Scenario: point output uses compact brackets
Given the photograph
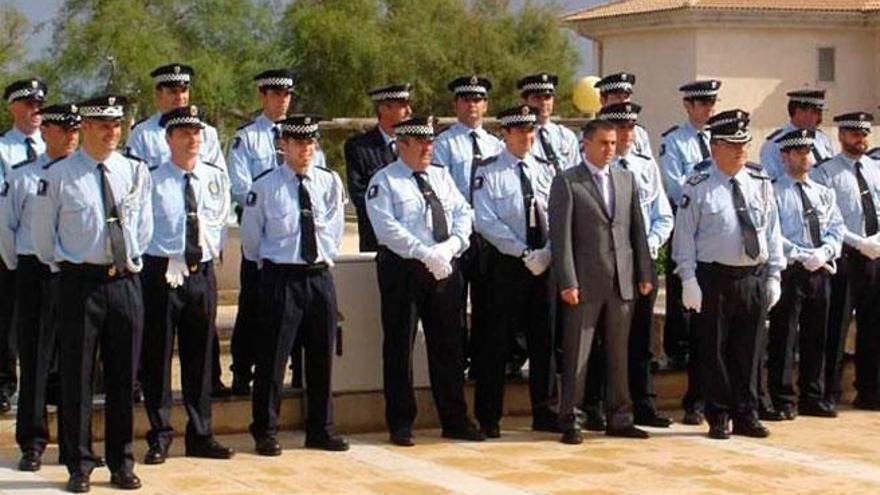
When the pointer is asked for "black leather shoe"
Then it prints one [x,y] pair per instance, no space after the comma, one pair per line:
[595,421]
[333,443]
[866,404]
[5,405]
[627,432]
[719,431]
[219,390]
[572,436]
[268,446]
[750,428]
[209,449]
[788,411]
[547,421]
[693,418]
[79,483]
[818,409]
[652,418]
[467,432]
[770,415]
[491,430]
[100,461]
[241,385]
[125,480]
[156,454]
[31,460]
[137,394]
[402,438]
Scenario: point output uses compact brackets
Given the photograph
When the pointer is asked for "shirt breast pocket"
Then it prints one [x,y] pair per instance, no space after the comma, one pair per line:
[508,205]
[408,209]
[712,219]
[281,222]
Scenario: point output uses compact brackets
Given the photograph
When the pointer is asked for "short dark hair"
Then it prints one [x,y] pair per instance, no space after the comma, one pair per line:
[794,105]
[594,125]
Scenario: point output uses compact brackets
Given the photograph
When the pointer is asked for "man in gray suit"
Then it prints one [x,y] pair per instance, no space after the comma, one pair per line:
[600,255]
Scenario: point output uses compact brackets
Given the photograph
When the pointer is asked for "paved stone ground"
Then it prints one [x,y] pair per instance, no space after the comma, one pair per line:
[808,455]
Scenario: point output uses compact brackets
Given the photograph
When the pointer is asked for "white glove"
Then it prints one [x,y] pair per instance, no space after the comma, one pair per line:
[774,292]
[869,247]
[538,261]
[448,248]
[654,251]
[176,272]
[437,265]
[691,295]
[815,260]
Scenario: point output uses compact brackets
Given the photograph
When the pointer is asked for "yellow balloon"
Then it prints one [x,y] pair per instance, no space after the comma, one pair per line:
[585,96]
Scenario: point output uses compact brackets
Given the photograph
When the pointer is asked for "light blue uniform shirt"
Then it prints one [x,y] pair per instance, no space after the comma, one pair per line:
[401,217]
[656,212]
[707,229]
[252,153]
[563,141]
[499,208]
[642,143]
[453,149]
[839,174]
[771,157]
[17,208]
[68,220]
[679,152]
[147,142]
[796,240]
[211,187]
[13,149]
[270,224]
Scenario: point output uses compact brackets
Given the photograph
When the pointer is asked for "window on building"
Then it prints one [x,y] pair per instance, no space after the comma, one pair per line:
[826,64]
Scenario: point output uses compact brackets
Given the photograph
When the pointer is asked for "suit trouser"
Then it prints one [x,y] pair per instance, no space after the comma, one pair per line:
[475,264]
[185,312]
[8,377]
[103,312]
[798,321]
[366,236]
[856,285]
[36,324]
[295,300]
[410,293]
[518,299]
[579,325]
[733,312]
[247,321]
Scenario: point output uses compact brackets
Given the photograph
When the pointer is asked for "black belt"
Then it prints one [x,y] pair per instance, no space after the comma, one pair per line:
[89,270]
[295,269]
[30,259]
[733,271]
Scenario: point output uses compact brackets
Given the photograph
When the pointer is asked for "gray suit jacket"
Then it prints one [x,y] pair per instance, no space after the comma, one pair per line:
[589,247]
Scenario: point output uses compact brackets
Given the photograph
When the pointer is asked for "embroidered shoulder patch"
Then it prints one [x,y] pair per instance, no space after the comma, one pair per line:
[251,199]
[372,192]
[42,187]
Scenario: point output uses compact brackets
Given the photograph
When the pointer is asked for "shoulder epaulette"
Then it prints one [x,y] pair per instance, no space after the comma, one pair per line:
[325,169]
[139,122]
[703,165]
[541,159]
[820,162]
[640,155]
[496,136]
[697,178]
[774,134]
[670,130]
[263,173]
[22,164]
[754,166]
[153,168]
[242,126]
[438,165]
[129,154]
[441,131]
[218,167]
[53,162]
[490,160]
[873,151]
[640,125]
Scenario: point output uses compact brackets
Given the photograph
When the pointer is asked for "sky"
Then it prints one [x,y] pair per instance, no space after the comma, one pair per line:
[41,13]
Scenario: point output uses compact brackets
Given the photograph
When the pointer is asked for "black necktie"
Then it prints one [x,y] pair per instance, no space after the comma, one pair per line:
[475,162]
[192,251]
[811,215]
[750,235]
[534,232]
[544,137]
[868,208]
[31,150]
[114,224]
[438,217]
[704,148]
[624,163]
[276,142]
[308,243]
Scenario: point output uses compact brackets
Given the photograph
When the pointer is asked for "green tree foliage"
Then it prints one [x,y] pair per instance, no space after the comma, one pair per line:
[13,29]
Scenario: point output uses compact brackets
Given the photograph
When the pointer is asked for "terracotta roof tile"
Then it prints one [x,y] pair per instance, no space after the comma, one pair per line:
[631,7]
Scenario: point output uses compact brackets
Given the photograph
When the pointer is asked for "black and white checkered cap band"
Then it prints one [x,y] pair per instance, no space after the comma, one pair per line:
[512,120]
[112,112]
[188,120]
[275,81]
[855,124]
[796,142]
[390,95]
[414,130]
[619,116]
[60,117]
[299,129]
[619,85]
[699,93]
[818,102]
[25,93]
[470,89]
[719,123]
[539,86]
[164,78]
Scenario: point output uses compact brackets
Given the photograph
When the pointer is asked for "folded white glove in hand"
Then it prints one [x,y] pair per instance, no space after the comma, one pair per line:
[176,272]
[437,265]
[815,260]
[538,261]
[654,251]
[448,248]
[691,295]
[774,292]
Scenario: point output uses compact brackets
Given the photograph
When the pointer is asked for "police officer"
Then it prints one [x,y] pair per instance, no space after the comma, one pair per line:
[461,148]
[618,88]
[729,254]
[293,222]
[255,150]
[35,322]
[658,220]
[812,231]
[423,225]
[511,191]
[805,108]
[190,207]
[93,221]
[684,146]
[855,179]
[368,152]
[22,142]
[555,143]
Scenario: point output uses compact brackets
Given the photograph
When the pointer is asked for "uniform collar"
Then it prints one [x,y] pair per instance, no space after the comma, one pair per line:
[197,171]
[596,170]
[463,129]
[289,173]
[92,164]
[693,130]
[265,121]
[513,160]
[19,137]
